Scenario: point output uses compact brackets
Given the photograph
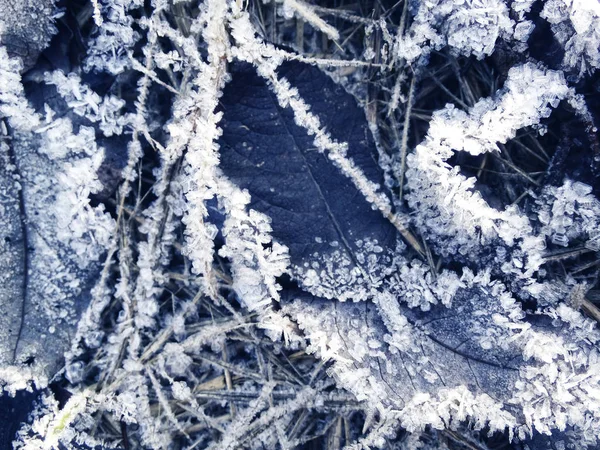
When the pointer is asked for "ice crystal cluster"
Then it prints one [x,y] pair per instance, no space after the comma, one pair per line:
[291,224]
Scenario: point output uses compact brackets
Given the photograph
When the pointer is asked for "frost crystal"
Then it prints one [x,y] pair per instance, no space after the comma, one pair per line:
[468,28]
[576,25]
[446,204]
[213,241]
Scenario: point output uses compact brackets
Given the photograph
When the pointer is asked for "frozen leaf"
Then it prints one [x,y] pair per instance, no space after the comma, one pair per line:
[54,238]
[13,262]
[482,360]
[26,27]
[335,237]
[411,351]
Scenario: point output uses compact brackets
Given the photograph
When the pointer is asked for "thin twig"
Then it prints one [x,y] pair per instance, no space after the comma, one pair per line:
[404,142]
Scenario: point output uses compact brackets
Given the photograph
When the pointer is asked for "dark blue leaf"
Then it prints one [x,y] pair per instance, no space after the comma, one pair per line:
[315,209]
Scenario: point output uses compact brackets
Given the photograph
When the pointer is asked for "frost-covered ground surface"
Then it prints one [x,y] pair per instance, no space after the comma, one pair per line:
[287,224]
